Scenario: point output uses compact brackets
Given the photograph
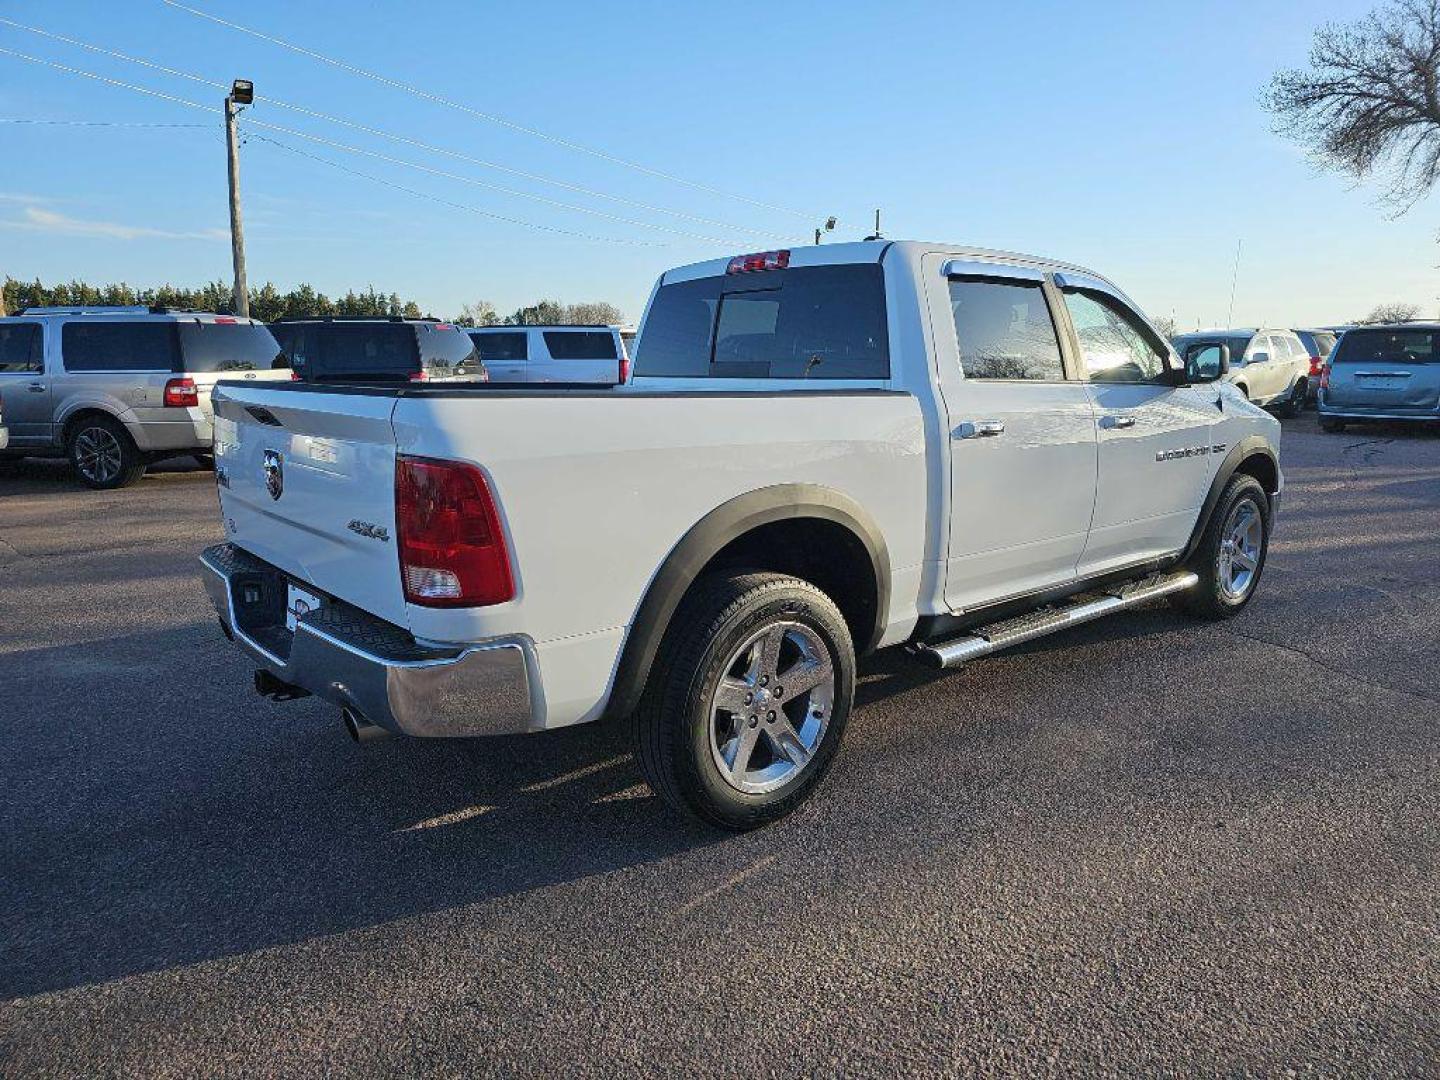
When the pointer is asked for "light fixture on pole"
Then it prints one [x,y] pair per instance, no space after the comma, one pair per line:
[242,92]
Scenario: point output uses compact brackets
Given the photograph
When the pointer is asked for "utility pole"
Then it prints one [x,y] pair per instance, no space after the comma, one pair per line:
[241,93]
[1234,278]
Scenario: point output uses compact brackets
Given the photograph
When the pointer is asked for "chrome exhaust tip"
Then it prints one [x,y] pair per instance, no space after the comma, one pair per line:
[360,729]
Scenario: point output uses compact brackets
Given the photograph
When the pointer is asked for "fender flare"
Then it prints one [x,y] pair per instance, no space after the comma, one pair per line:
[1248,447]
[706,538]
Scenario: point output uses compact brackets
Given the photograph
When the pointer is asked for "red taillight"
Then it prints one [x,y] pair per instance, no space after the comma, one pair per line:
[452,549]
[294,375]
[624,367]
[420,376]
[181,393]
[1315,365]
[761,260]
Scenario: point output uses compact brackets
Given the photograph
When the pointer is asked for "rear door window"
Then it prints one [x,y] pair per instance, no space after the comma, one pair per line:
[222,347]
[1004,330]
[119,346]
[1388,347]
[814,322]
[20,349]
[580,345]
[504,345]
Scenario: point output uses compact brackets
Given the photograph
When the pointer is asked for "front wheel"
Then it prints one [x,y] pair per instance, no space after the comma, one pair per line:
[103,455]
[750,693]
[1231,554]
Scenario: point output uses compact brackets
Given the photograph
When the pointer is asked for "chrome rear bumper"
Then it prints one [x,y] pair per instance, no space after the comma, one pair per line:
[354,660]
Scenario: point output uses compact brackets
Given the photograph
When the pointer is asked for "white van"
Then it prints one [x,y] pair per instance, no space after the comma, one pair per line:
[553,354]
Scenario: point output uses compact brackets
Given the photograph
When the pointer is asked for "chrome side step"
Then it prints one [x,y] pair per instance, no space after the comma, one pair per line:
[985,640]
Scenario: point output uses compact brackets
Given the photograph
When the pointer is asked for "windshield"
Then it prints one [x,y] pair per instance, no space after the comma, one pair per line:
[1389,347]
[322,351]
[1324,342]
[815,322]
[229,347]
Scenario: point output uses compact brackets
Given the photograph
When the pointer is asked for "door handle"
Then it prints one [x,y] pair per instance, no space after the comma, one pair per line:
[1114,422]
[980,429]
[36,388]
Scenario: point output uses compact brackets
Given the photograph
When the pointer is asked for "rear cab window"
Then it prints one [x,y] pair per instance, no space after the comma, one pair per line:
[1419,346]
[21,349]
[1004,330]
[809,322]
[98,346]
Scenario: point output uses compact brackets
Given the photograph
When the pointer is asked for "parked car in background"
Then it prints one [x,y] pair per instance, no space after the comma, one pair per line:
[821,452]
[548,354]
[1270,367]
[378,350]
[118,388]
[1389,372]
[1318,343]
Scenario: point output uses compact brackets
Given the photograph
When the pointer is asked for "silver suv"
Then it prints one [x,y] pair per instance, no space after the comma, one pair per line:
[1271,367]
[118,388]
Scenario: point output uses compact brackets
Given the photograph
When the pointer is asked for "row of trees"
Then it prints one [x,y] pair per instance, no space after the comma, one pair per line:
[268,303]
[544,313]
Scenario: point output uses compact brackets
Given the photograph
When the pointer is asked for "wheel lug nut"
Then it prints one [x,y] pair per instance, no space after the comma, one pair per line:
[771,718]
[749,698]
[779,690]
[764,680]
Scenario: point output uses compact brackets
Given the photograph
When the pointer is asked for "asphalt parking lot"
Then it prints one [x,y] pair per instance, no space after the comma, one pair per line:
[1147,844]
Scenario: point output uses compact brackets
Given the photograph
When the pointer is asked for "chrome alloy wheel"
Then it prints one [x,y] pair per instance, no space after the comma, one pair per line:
[769,712]
[1239,559]
[98,455]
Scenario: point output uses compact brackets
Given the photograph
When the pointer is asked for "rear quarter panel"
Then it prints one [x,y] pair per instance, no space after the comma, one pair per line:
[596,489]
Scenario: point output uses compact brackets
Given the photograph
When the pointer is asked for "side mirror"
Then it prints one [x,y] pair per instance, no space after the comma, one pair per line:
[1207,363]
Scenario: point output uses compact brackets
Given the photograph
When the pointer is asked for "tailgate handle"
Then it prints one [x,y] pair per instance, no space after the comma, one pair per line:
[264,415]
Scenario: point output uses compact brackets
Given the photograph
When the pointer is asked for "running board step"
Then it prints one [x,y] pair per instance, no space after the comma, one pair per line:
[985,640]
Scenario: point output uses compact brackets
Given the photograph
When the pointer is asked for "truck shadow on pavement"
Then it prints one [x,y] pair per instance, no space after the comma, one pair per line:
[152,822]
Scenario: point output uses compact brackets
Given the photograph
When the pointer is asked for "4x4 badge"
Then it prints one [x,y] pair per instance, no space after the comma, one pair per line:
[274,466]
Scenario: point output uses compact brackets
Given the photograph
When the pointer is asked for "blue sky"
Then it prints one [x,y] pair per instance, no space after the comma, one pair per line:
[1127,138]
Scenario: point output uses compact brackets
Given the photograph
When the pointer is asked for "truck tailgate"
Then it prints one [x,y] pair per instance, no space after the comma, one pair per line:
[307,483]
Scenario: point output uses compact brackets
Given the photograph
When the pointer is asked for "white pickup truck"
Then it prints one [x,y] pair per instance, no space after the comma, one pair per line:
[821,452]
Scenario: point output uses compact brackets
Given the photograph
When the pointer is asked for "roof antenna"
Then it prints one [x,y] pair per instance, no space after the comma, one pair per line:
[877,235]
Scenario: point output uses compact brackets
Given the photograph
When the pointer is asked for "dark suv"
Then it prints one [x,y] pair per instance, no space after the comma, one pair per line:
[378,350]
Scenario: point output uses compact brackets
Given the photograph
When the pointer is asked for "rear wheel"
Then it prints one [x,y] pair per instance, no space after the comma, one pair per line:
[1231,554]
[103,455]
[744,709]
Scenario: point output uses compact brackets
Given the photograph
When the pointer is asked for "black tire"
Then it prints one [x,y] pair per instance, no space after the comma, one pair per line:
[1210,599]
[1334,427]
[675,726]
[102,453]
[1294,404]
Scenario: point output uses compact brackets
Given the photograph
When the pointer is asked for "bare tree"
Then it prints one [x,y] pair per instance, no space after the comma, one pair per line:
[1369,101]
[480,313]
[1165,324]
[1390,313]
[594,313]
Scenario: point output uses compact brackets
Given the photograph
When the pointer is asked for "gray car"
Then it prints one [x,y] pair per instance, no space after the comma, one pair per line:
[1389,372]
[116,389]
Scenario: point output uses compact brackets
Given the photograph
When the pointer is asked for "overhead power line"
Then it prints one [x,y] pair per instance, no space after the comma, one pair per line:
[99,123]
[196,105]
[479,114]
[407,140]
[429,197]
